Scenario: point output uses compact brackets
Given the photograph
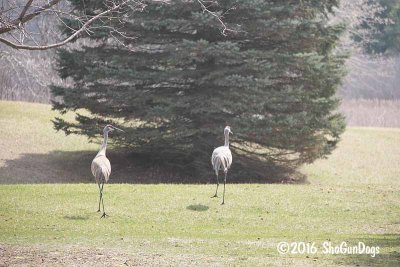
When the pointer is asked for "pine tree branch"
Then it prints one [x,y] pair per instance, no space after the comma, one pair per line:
[225,28]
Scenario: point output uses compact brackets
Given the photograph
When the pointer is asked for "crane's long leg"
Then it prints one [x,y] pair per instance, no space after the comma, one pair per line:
[223,196]
[100,196]
[216,191]
[102,201]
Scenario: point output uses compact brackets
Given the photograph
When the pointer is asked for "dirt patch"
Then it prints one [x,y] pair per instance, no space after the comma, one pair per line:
[73,256]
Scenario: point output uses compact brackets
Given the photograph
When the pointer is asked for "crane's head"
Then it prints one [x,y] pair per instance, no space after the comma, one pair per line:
[227,130]
[110,128]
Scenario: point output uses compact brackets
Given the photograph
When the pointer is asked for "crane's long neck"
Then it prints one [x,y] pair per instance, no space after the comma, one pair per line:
[226,139]
[103,145]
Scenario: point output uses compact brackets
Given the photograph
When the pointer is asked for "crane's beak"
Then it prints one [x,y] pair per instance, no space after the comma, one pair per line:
[231,132]
[118,129]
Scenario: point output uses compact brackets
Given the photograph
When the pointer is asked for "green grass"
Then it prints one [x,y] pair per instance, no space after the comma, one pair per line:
[352,196]
[163,219]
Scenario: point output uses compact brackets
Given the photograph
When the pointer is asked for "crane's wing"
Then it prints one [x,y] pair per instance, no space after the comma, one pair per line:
[221,158]
[101,168]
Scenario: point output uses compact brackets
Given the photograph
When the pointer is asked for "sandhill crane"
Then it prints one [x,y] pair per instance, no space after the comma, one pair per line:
[101,167]
[221,159]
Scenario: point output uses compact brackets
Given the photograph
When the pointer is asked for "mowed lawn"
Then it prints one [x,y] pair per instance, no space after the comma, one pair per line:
[352,196]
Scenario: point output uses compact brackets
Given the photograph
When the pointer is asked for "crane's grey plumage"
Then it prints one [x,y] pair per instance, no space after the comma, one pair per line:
[221,160]
[101,167]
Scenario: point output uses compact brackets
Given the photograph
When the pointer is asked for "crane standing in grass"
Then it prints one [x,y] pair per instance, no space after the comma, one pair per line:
[101,167]
[221,159]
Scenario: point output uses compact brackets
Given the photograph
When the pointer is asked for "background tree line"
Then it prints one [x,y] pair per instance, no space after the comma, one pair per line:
[373,27]
[182,69]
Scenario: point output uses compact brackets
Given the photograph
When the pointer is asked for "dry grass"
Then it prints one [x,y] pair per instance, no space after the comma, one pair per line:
[364,156]
[372,112]
[31,150]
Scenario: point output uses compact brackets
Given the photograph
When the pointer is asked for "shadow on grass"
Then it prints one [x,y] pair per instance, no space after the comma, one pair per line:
[64,167]
[197,207]
[78,218]
[74,167]
[389,251]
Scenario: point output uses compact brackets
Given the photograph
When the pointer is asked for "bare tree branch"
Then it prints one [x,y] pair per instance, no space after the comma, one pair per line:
[14,24]
[28,4]
[84,27]
[206,9]
[19,35]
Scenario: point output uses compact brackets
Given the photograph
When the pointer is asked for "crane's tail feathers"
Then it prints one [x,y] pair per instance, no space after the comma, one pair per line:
[220,163]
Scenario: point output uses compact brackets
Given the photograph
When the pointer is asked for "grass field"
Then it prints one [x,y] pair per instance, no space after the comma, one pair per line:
[352,196]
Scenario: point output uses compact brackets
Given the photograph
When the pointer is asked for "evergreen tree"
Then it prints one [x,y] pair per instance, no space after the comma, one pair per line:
[272,77]
[384,33]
